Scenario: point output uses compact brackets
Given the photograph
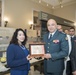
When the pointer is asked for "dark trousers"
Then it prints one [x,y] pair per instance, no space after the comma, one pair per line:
[18,72]
[58,73]
[68,68]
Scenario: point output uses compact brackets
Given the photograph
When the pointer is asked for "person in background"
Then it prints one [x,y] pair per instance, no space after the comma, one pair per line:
[73,52]
[56,49]
[72,33]
[17,54]
[73,58]
[59,27]
[66,31]
[69,43]
[67,61]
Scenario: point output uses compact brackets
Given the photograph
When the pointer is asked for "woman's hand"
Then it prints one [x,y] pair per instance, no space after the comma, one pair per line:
[29,57]
[74,73]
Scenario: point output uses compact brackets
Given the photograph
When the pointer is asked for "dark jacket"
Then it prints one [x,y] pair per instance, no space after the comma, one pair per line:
[16,58]
[73,56]
[57,46]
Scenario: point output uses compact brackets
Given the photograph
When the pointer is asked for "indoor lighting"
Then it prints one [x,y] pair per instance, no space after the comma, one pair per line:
[75,24]
[53,7]
[60,2]
[61,6]
[6,21]
[31,24]
[39,1]
[47,5]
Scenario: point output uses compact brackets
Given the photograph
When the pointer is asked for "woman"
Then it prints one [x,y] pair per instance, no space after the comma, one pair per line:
[17,54]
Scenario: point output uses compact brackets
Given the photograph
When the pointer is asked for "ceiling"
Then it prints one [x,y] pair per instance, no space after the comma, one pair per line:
[55,3]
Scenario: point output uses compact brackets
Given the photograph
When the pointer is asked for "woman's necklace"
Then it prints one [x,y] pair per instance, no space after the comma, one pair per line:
[23,47]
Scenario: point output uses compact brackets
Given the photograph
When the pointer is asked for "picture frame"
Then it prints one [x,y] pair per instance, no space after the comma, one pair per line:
[37,49]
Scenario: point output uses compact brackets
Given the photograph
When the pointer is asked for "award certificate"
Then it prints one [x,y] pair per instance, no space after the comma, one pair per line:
[36,49]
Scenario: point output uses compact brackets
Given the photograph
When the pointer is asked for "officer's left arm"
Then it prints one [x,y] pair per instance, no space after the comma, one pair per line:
[64,49]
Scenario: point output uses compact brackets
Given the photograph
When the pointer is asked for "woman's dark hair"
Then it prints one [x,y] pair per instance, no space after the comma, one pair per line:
[14,39]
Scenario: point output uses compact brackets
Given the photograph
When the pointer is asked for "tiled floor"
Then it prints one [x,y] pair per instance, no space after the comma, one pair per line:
[32,72]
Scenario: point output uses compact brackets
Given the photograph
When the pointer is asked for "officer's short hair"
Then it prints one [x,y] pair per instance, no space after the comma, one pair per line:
[72,28]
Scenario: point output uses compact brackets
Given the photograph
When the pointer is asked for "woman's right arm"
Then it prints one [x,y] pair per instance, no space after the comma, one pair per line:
[11,62]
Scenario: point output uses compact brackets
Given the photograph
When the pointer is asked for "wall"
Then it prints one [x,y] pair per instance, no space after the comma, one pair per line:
[20,12]
[67,12]
[0,13]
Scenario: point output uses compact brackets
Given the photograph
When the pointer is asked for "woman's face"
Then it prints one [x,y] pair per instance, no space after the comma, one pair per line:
[20,36]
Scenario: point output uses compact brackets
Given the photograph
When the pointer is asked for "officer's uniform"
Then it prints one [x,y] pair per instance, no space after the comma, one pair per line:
[57,46]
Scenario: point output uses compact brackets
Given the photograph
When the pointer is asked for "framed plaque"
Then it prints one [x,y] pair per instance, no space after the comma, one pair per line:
[37,49]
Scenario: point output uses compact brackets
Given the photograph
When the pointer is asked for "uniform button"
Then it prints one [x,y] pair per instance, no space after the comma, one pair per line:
[48,43]
[48,47]
[47,51]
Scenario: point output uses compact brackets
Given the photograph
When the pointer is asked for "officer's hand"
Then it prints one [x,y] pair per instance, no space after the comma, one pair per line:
[47,56]
[74,73]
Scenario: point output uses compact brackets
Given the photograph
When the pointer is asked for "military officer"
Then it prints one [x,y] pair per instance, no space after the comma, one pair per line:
[56,49]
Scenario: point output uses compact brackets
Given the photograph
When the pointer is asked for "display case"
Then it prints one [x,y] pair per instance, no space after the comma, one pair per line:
[5,37]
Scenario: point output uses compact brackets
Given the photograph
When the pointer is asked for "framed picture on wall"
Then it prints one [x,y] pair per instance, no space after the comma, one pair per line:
[35,19]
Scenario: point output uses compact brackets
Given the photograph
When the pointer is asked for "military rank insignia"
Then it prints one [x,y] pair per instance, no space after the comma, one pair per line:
[55,41]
